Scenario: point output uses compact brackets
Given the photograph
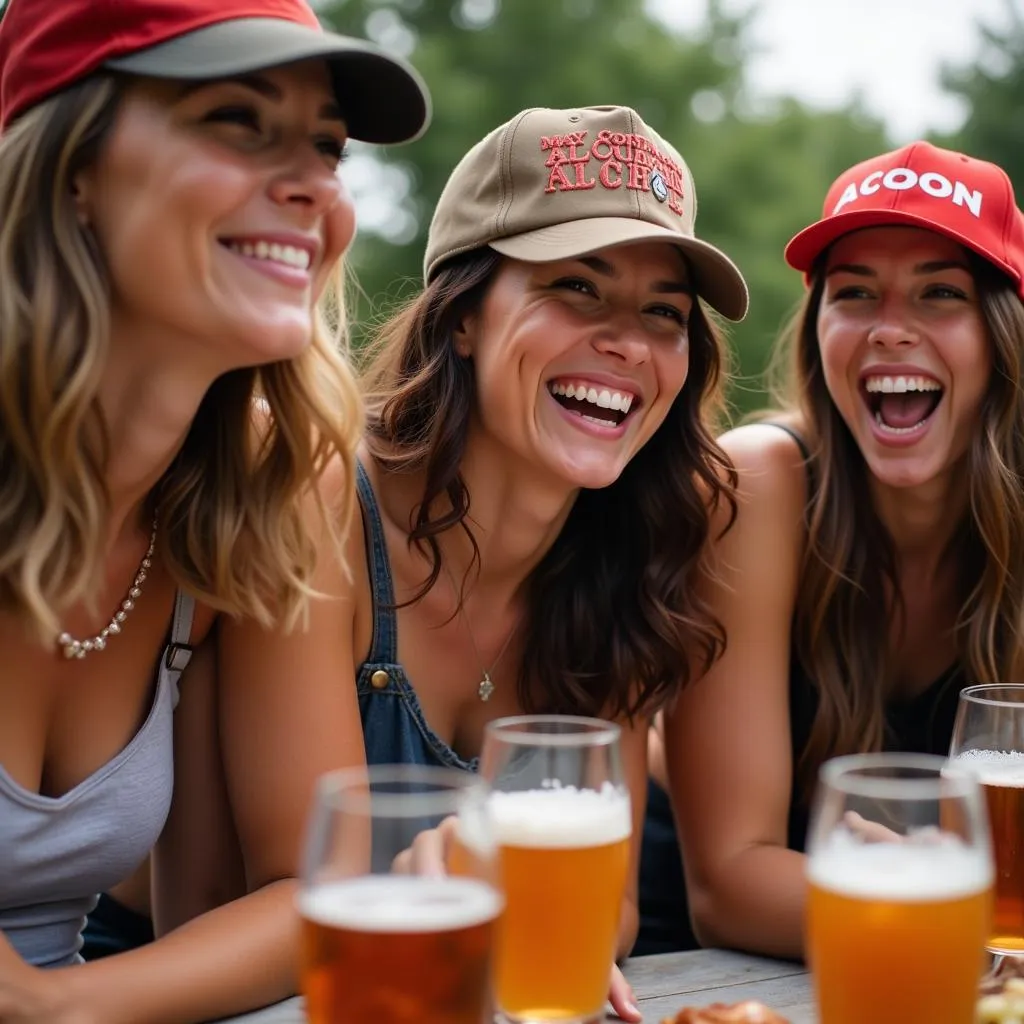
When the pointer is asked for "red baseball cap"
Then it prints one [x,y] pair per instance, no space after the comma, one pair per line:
[921,185]
[47,45]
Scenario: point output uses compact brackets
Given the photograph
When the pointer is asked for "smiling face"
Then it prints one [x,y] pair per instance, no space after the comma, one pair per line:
[904,349]
[578,362]
[220,213]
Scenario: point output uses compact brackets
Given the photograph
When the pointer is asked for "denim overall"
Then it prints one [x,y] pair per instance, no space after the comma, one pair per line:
[394,729]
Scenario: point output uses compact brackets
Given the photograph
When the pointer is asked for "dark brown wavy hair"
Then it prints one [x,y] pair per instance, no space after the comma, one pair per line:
[614,624]
[843,614]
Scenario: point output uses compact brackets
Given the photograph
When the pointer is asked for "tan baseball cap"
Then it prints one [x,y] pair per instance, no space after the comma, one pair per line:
[555,184]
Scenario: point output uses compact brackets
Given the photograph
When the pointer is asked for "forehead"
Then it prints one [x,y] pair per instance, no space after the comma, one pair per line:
[895,244]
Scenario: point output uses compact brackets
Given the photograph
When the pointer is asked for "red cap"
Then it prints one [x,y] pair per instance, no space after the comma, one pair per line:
[47,45]
[921,185]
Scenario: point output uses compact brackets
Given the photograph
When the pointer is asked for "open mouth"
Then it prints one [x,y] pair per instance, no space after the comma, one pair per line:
[901,404]
[599,405]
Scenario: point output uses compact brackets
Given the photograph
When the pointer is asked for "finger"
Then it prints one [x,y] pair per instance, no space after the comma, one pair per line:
[620,995]
[428,854]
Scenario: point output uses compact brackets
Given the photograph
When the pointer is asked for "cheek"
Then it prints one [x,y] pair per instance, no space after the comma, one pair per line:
[338,233]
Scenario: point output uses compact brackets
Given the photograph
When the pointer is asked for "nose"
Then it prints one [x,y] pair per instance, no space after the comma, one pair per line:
[895,327]
[306,179]
[626,341]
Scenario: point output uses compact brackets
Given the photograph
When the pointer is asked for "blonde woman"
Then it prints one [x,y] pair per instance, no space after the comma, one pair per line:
[170,211]
[877,557]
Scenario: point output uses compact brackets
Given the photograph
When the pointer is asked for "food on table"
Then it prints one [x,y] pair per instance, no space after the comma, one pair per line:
[748,1012]
[1002,1001]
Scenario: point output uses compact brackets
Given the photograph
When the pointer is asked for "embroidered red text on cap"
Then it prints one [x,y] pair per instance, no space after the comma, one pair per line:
[623,159]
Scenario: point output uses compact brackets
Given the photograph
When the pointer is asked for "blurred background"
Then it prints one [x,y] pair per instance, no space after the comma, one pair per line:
[767,100]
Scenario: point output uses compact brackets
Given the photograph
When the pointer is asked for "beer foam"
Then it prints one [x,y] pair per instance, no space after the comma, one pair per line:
[561,816]
[401,903]
[994,767]
[905,872]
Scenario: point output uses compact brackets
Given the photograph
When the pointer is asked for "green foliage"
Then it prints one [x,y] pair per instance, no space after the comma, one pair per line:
[993,89]
[760,175]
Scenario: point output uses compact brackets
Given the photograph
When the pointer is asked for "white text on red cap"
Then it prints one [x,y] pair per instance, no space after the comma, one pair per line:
[899,179]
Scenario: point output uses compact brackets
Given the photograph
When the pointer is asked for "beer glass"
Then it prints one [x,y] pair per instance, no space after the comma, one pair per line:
[988,740]
[899,903]
[561,816]
[391,948]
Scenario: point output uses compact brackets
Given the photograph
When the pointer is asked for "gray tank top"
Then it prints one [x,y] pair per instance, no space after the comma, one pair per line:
[58,853]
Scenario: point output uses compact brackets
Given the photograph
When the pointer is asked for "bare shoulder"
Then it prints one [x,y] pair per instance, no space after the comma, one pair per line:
[768,460]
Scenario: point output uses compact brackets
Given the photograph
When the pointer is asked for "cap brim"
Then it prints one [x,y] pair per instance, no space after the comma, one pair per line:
[383,99]
[717,279]
[805,247]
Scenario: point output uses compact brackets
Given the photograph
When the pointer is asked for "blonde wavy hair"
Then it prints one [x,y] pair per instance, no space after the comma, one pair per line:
[843,614]
[234,522]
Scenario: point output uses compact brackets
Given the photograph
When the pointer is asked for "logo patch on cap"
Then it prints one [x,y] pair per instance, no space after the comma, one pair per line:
[612,160]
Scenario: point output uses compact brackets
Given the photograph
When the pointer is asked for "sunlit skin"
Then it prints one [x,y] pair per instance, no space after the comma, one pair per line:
[188,170]
[616,320]
[902,301]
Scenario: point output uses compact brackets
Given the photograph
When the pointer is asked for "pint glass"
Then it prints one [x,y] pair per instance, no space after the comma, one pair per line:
[899,905]
[387,948]
[988,739]
[561,815]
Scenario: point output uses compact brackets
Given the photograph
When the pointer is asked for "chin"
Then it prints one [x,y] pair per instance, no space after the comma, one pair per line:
[257,344]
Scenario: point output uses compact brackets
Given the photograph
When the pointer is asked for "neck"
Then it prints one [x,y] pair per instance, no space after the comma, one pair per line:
[148,406]
[516,514]
[922,521]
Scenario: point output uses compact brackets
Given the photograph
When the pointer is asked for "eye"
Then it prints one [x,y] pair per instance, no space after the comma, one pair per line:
[944,291]
[576,284]
[850,291]
[669,312]
[333,148]
[245,116]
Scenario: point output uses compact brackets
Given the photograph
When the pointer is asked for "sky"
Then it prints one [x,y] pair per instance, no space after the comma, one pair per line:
[891,51]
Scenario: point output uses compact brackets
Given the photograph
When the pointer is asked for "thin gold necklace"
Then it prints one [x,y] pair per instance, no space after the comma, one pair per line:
[485,687]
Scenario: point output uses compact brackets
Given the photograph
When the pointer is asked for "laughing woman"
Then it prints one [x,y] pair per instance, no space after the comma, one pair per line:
[170,213]
[540,462]
[877,557]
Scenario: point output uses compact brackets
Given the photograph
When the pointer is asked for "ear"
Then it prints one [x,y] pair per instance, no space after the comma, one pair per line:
[464,335]
[81,196]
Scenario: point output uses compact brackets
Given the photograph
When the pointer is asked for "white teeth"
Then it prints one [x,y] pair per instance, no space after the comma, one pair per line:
[896,430]
[900,385]
[618,401]
[289,255]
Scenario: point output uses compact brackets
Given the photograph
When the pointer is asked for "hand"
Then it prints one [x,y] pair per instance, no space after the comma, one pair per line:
[30,995]
[620,995]
[428,854]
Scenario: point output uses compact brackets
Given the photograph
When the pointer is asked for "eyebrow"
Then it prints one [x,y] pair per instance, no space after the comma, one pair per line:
[261,85]
[603,267]
[931,267]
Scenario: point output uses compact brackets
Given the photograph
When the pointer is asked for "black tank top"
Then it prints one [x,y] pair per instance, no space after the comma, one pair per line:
[921,725]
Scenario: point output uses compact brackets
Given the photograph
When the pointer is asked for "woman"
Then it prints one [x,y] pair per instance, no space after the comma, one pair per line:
[534,547]
[877,556]
[171,212]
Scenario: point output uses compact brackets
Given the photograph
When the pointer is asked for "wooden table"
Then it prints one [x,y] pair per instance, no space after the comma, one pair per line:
[665,984]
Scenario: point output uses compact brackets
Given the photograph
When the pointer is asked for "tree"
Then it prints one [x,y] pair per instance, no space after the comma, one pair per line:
[760,176]
[993,89]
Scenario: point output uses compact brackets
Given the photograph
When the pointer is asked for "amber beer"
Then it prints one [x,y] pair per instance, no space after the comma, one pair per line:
[388,949]
[564,860]
[1001,774]
[896,931]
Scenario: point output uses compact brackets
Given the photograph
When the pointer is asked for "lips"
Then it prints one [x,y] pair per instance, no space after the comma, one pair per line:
[901,403]
[594,401]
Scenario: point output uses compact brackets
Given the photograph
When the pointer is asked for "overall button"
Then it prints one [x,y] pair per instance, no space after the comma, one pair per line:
[379,679]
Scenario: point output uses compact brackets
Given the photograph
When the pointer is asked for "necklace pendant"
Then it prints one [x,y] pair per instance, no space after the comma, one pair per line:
[485,689]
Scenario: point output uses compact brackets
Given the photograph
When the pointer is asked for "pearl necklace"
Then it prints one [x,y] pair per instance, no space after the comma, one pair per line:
[73,648]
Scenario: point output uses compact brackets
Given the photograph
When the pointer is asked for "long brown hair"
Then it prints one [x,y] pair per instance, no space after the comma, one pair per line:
[233,529]
[613,623]
[843,614]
